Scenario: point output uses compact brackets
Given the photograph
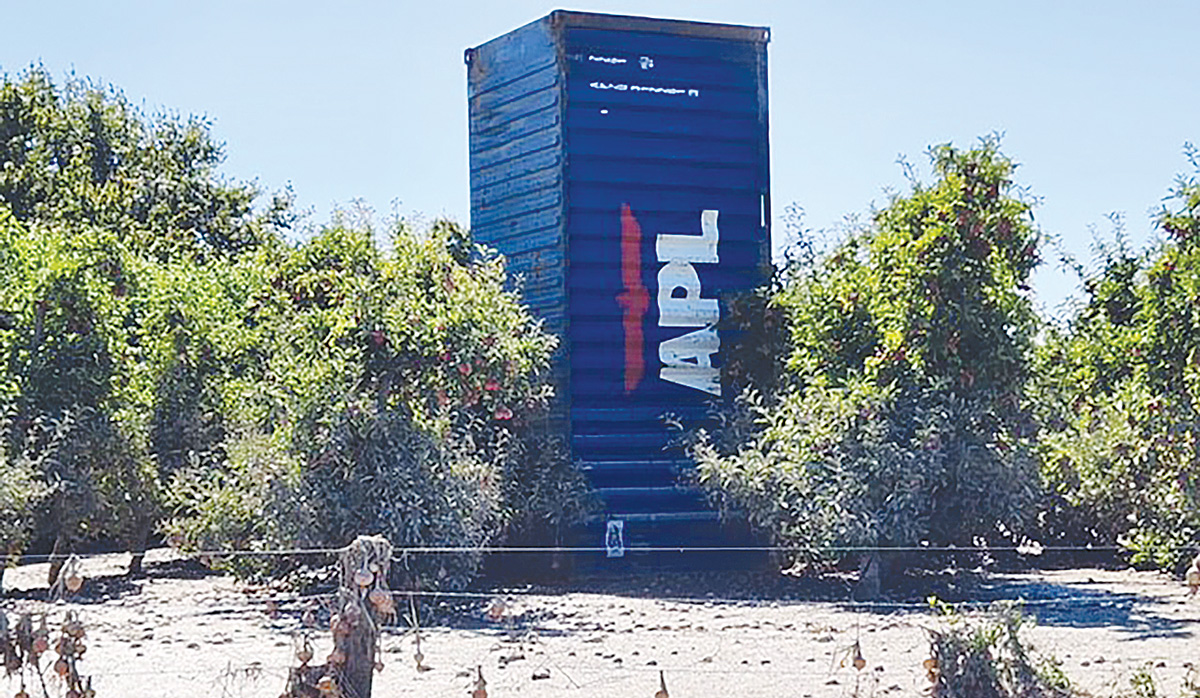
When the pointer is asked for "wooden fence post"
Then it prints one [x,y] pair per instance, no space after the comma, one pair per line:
[364,604]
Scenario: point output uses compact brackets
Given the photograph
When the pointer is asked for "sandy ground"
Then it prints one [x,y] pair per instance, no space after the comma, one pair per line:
[181,632]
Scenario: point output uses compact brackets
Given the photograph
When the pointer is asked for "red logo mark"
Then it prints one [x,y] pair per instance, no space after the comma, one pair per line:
[635,299]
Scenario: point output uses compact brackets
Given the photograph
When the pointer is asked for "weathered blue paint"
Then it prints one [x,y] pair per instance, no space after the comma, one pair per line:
[611,156]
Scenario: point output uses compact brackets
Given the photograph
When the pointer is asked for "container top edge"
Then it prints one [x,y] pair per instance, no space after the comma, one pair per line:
[596,20]
[650,25]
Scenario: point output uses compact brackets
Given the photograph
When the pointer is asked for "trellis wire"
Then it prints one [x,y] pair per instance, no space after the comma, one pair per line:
[400,552]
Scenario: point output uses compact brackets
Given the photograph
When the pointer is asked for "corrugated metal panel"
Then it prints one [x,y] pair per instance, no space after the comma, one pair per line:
[516,160]
[611,156]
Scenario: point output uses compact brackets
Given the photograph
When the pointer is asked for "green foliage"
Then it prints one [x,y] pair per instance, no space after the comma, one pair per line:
[59,369]
[1119,396]
[95,346]
[115,231]
[82,155]
[98,486]
[382,391]
[1142,683]
[857,466]
[171,357]
[898,420]
[21,492]
[544,491]
[930,291]
[987,658]
[381,474]
[251,501]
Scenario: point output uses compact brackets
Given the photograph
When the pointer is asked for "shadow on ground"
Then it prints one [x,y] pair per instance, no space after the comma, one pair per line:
[1080,604]
[114,585]
[1088,604]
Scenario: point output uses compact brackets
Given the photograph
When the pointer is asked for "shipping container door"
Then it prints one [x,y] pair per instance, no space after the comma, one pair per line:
[665,149]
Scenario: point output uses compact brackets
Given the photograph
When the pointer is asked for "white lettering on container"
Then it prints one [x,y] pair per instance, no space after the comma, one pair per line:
[688,309]
[625,87]
[687,359]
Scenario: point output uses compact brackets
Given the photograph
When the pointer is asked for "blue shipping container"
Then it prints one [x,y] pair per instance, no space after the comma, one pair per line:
[621,165]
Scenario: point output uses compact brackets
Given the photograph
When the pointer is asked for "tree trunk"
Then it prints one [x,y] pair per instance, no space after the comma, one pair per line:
[869,579]
[58,557]
[140,541]
[365,566]
[880,570]
[39,323]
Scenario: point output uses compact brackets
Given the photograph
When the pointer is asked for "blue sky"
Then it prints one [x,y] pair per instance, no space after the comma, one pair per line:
[368,99]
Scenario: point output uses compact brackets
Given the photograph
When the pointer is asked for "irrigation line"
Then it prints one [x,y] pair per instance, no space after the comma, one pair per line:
[1023,550]
[400,552]
[180,554]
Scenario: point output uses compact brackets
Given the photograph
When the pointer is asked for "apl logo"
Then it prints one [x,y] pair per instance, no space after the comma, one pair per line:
[687,359]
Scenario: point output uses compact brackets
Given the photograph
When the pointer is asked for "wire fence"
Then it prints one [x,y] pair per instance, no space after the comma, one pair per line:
[401,552]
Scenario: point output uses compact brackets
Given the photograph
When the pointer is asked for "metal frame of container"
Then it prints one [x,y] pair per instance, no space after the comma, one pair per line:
[585,130]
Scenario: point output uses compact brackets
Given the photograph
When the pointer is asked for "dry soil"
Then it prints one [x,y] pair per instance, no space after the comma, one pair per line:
[181,631]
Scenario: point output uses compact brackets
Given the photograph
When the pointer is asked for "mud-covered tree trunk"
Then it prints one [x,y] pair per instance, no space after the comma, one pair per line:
[878,571]
[139,540]
[869,579]
[364,605]
[58,557]
[12,556]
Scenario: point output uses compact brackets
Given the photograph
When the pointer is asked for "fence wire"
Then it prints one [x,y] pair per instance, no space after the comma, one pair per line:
[401,552]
